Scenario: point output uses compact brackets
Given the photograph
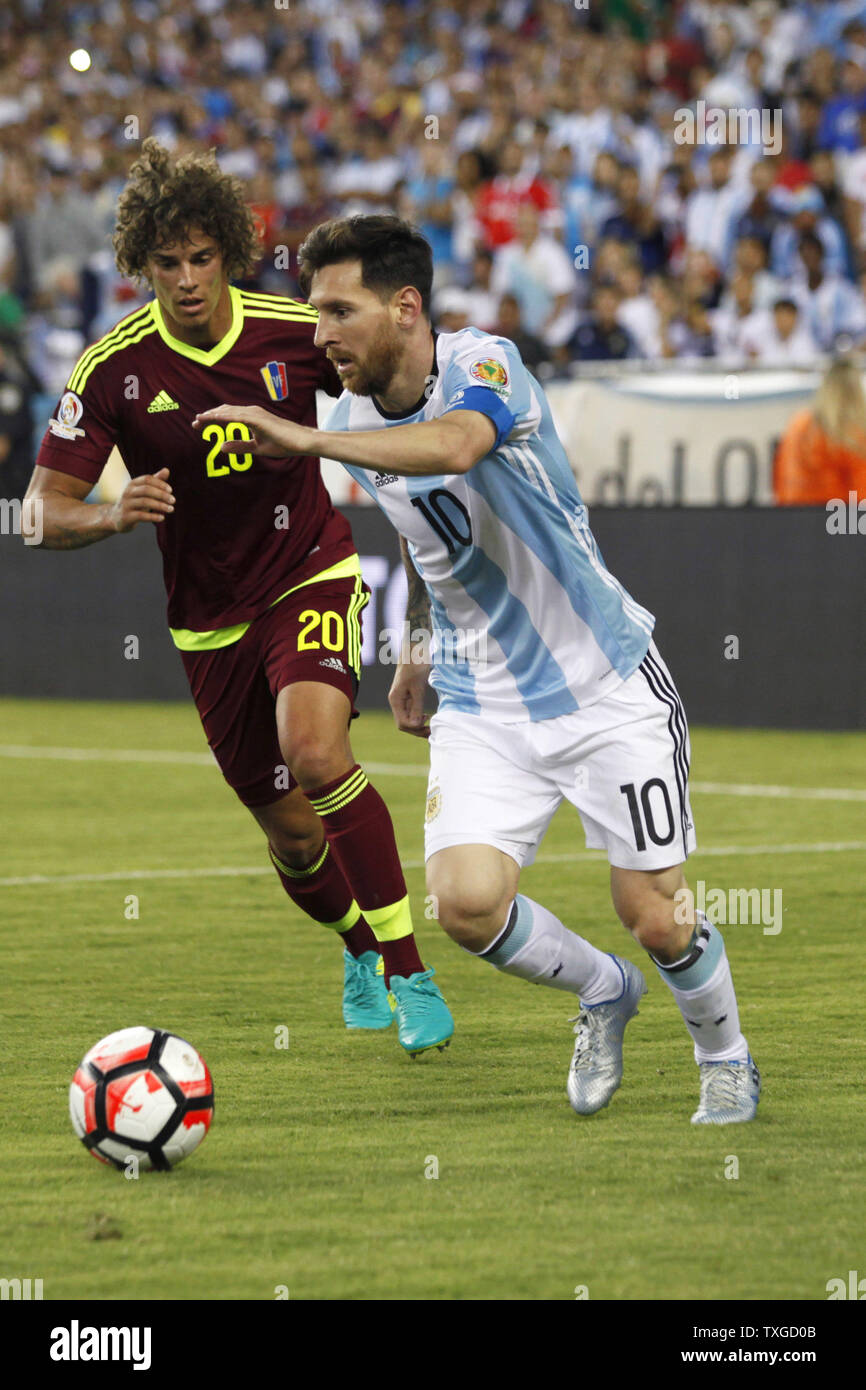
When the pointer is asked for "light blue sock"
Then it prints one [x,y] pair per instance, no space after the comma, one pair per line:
[536,946]
[702,986]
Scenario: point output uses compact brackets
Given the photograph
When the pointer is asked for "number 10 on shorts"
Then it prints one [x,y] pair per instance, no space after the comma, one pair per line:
[642,815]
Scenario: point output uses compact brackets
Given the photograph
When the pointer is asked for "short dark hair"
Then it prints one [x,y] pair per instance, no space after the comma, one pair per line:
[392,253]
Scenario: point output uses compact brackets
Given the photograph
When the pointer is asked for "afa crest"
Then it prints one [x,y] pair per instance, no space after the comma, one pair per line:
[434,804]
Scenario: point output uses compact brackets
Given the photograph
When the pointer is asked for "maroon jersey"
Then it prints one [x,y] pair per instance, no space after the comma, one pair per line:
[244,528]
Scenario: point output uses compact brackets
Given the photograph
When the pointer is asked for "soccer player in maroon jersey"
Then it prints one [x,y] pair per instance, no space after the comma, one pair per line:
[264,583]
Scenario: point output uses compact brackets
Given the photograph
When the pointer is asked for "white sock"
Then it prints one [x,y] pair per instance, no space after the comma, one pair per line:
[702,986]
[535,945]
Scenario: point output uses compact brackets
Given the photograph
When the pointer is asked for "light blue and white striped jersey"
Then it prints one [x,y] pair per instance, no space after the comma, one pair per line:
[505,550]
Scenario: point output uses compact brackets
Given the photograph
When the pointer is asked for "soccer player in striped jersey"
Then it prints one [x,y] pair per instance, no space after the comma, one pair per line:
[550,686]
[264,583]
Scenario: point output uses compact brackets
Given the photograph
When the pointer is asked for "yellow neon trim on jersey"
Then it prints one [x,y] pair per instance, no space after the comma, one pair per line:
[278,315]
[106,348]
[119,334]
[208,357]
[120,330]
[280,301]
[187,640]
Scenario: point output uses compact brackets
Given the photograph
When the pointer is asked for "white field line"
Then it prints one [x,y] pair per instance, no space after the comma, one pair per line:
[241,871]
[162,755]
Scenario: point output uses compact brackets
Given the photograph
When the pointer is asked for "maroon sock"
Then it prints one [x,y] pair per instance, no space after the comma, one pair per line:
[361,835]
[321,891]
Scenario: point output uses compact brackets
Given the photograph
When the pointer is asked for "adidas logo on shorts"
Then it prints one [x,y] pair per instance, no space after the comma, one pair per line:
[334,664]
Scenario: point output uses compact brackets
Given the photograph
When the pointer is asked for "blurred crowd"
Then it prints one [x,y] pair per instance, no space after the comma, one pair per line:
[534,142]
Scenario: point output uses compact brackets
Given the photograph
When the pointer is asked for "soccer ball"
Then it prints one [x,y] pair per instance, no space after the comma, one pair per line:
[141,1094]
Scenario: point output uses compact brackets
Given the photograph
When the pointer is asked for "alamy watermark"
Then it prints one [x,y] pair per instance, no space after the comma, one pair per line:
[19,518]
[731,907]
[408,646]
[846,518]
[736,125]
[20,1289]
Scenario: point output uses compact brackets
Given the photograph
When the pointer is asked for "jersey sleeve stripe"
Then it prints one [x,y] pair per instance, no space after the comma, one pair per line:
[276,314]
[83,369]
[117,335]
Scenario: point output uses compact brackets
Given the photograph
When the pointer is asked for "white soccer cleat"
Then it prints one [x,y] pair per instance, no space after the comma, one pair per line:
[729,1093]
[596,1067]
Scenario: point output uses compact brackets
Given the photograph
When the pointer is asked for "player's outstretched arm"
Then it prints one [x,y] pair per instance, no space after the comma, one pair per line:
[453,443]
[409,686]
[68,522]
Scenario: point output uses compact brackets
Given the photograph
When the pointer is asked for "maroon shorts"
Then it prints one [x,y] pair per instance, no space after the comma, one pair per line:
[312,635]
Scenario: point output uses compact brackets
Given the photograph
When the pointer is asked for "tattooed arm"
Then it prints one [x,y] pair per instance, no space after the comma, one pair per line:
[67,522]
[409,687]
[418,602]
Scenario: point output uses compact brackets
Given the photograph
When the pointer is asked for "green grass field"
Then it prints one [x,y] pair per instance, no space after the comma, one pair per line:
[313,1175]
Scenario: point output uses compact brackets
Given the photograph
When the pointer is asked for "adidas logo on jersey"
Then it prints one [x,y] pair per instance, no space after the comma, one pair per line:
[334,664]
[162,401]
[383,479]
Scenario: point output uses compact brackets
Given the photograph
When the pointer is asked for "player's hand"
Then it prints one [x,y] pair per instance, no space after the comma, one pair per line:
[406,698]
[147,498]
[272,436]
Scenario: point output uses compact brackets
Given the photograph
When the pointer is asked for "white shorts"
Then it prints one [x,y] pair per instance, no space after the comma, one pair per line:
[622,762]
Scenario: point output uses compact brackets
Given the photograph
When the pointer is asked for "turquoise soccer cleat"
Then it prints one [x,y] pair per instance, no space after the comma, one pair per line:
[729,1093]
[365,999]
[423,1017]
[596,1067]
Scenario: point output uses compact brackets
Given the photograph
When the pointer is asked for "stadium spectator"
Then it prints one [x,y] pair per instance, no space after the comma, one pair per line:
[840,118]
[367,181]
[601,337]
[312,206]
[483,299]
[733,315]
[806,141]
[531,349]
[853,181]
[779,337]
[822,454]
[427,202]
[636,223]
[806,214]
[587,201]
[451,310]
[536,269]
[500,197]
[763,213]
[636,311]
[698,340]
[712,211]
[833,308]
[466,228]
[751,257]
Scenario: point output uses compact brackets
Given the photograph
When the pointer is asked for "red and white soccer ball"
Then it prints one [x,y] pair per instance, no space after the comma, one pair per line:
[141,1098]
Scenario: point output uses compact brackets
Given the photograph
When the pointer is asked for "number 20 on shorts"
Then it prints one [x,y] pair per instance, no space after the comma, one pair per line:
[331,630]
